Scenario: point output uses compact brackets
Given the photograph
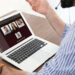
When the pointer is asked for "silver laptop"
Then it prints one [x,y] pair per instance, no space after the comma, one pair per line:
[19,45]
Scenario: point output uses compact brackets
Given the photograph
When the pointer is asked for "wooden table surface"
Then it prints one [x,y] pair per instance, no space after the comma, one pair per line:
[41,28]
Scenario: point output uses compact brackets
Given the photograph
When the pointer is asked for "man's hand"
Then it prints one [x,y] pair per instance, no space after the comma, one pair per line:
[43,7]
[11,71]
[40,6]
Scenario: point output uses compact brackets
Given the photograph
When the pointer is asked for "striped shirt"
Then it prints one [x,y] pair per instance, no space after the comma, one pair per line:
[63,63]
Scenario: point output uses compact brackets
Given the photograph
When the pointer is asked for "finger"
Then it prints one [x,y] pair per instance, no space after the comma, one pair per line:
[29,1]
[34,8]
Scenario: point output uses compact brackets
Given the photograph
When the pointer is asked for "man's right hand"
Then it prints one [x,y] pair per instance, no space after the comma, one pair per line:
[40,6]
[43,7]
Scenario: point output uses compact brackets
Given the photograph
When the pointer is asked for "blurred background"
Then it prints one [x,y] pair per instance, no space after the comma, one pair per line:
[67,15]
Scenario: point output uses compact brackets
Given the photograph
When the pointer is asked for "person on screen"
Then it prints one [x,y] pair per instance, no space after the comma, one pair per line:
[18,35]
[6,30]
[63,63]
[13,26]
[20,23]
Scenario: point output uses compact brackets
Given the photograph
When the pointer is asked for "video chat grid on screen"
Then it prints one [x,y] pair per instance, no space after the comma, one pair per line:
[12,31]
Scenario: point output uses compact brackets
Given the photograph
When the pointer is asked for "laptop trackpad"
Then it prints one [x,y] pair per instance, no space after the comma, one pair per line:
[38,58]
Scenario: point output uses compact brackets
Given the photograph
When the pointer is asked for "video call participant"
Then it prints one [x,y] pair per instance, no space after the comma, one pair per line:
[20,23]
[13,26]
[18,35]
[63,63]
[6,30]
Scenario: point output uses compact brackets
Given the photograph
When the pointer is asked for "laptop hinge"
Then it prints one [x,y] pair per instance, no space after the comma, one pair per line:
[20,45]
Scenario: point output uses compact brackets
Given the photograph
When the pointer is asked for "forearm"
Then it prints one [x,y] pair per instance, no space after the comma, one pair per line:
[55,21]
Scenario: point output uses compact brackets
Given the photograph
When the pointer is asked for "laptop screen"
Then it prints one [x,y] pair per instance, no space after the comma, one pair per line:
[12,31]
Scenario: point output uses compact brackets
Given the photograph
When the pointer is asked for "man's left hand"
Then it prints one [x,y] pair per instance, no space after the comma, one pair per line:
[11,71]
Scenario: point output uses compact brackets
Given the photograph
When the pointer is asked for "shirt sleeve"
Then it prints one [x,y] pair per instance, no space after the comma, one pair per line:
[63,63]
[67,27]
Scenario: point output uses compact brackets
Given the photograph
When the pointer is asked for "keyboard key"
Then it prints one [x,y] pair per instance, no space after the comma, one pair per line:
[27,50]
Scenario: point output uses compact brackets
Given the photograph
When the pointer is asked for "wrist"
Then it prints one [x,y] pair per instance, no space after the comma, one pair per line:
[48,12]
[26,73]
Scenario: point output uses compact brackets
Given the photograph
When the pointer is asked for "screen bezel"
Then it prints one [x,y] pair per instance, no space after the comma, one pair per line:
[20,43]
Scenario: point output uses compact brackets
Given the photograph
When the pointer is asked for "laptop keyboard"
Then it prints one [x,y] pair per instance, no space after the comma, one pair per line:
[27,50]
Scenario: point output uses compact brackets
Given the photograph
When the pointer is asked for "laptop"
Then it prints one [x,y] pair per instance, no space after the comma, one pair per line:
[19,45]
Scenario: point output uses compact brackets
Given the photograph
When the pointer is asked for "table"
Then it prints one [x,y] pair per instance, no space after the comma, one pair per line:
[41,28]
